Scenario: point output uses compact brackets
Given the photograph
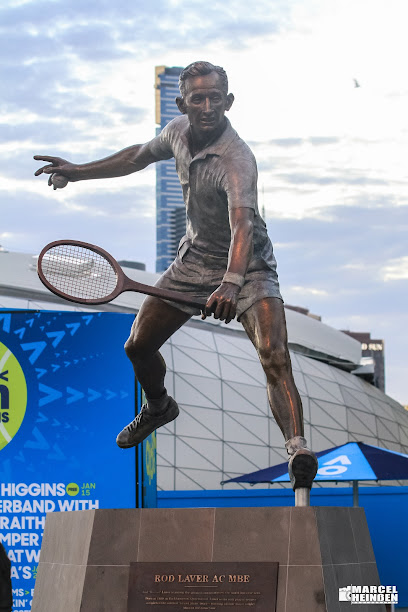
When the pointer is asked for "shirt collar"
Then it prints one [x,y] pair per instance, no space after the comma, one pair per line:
[219,146]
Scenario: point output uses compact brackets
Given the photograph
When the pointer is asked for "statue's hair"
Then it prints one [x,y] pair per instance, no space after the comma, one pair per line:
[201,69]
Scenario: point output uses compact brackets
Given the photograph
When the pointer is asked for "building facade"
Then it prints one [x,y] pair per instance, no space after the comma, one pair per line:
[372,351]
[170,211]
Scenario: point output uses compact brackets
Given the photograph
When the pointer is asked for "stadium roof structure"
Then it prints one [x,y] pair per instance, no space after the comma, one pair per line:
[20,287]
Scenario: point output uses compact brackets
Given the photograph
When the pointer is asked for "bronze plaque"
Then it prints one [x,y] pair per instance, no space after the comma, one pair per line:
[175,587]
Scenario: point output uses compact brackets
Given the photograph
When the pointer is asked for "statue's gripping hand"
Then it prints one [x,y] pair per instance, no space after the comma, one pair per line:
[60,170]
[222,303]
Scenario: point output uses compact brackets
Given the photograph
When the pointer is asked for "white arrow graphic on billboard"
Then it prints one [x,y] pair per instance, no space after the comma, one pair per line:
[331,469]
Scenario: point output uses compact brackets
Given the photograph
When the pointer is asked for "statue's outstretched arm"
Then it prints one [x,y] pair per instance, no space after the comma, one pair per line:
[123,162]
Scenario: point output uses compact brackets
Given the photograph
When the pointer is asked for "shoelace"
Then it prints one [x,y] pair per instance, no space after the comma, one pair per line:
[137,420]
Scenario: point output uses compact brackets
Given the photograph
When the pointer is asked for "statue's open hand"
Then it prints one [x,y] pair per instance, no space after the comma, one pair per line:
[223,302]
[60,170]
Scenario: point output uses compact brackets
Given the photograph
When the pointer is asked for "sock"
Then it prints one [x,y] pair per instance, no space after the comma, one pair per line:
[159,404]
[293,444]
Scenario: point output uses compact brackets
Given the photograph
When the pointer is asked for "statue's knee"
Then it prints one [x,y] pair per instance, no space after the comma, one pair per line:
[274,359]
[133,350]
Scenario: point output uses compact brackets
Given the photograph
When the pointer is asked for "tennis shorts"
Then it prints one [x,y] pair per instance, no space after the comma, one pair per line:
[198,274]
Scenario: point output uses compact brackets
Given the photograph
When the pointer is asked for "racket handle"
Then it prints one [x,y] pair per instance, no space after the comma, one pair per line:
[165,294]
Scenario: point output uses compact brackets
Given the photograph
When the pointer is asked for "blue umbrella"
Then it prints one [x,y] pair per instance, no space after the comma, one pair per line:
[353,461]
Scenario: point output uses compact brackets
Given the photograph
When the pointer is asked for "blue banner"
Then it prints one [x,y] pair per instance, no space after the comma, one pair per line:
[66,390]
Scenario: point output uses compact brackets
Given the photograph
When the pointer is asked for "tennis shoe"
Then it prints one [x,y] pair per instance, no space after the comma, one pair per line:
[303,463]
[145,423]
[302,469]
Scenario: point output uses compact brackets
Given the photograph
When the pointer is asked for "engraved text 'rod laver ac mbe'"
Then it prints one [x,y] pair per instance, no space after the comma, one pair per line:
[86,274]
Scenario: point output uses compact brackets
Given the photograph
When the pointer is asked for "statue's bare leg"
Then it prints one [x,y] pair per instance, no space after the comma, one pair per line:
[154,324]
[265,325]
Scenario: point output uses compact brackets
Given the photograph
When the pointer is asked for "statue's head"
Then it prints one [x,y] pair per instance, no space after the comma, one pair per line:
[202,69]
[204,96]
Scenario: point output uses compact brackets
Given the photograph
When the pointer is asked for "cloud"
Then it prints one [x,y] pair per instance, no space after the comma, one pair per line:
[343,178]
[296,142]
[51,95]
[285,142]
[120,222]
[344,259]
[20,45]
[395,269]
[96,42]
[318,141]
[38,130]
[304,292]
[105,30]
[362,233]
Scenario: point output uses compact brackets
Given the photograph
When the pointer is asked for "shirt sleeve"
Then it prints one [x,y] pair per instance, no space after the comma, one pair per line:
[240,182]
[161,145]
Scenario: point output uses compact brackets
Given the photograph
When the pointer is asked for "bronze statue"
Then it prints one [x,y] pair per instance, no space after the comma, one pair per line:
[226,254]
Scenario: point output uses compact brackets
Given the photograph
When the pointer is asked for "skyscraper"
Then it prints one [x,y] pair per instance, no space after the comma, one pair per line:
[170,212]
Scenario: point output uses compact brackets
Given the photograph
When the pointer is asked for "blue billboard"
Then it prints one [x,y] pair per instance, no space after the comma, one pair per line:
[66,390]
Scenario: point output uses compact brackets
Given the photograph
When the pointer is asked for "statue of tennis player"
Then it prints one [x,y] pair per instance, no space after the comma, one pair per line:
[225,257]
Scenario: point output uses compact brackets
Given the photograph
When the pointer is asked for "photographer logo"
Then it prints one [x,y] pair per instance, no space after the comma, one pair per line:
[373,594]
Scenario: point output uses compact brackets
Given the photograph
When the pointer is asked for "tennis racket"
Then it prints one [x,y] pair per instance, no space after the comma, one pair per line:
[86,274]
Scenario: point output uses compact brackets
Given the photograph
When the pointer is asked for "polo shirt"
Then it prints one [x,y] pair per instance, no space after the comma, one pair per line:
[220,177]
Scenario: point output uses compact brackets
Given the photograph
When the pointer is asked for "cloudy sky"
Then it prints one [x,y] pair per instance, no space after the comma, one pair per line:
[77,81]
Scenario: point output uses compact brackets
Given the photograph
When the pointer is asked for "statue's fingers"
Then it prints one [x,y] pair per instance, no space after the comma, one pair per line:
[50,180]
[219,310]
[232,313]
[45,169]
[49,169]
[225,311]
[46,158]
[209,306]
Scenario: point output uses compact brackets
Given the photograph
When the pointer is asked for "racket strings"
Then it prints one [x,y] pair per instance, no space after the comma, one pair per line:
[79,272]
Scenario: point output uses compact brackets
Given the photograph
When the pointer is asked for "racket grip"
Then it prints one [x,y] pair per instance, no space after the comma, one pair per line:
[174,296]
[164,294]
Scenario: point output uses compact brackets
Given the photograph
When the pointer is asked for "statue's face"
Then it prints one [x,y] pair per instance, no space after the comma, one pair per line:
[205,103]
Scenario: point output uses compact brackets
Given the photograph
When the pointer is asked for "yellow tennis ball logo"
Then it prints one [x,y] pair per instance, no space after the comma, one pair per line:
[13,395]
[72,489]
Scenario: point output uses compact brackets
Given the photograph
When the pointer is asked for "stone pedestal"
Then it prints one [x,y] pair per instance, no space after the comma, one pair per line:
[85,556]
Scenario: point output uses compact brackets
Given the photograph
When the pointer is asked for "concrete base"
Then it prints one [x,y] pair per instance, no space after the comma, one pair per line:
[85,556]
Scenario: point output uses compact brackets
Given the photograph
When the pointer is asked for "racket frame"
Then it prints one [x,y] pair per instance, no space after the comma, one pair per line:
[124,283]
